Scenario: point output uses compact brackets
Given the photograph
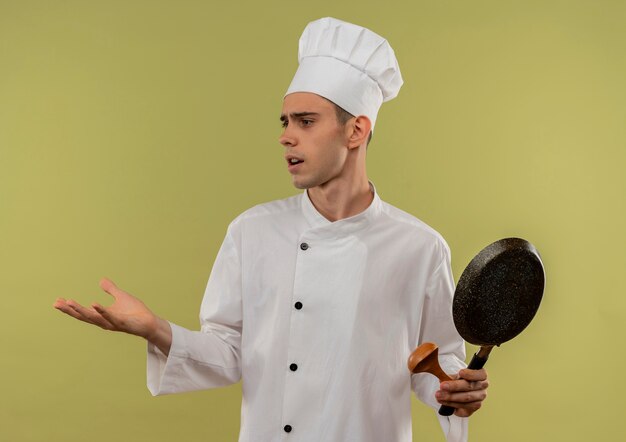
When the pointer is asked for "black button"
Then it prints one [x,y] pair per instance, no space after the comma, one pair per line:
[298,305]
[304,246]
[293,367]
[287,428]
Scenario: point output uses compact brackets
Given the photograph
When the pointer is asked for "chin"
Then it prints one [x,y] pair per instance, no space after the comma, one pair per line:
[302,185]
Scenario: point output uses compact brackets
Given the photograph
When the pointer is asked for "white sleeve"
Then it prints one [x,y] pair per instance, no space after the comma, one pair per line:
[438,327]
[210,357]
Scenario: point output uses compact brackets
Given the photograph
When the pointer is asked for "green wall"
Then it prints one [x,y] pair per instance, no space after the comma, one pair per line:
[132,132]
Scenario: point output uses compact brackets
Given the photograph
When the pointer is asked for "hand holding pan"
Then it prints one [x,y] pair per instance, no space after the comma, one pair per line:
[495,299]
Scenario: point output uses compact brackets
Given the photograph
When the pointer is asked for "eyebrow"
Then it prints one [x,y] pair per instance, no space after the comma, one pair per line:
[283,117]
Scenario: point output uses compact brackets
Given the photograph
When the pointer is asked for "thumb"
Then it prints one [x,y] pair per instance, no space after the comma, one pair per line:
[109,286]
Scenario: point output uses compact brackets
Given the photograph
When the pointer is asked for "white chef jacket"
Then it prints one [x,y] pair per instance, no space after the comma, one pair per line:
[318,319]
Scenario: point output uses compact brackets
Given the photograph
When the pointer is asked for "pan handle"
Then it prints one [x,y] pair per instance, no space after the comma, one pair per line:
[476,363]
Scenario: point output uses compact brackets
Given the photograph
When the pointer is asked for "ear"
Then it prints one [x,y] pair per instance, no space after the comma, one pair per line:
[360,129]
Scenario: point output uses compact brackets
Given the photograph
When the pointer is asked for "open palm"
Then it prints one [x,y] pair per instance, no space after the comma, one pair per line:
[127,314]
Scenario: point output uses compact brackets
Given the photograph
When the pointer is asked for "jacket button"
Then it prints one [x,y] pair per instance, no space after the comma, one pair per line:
[298,305]
[287,428]
[304,246]
[293,367]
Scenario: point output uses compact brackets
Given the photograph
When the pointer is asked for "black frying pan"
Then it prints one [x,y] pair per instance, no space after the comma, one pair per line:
[497,296]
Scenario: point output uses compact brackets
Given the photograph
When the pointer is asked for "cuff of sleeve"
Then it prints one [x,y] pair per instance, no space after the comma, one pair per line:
[425,385]
[454,427]
[451,364]
[162,370]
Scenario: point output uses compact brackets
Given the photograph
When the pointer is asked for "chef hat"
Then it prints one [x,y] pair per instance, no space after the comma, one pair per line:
[347,64]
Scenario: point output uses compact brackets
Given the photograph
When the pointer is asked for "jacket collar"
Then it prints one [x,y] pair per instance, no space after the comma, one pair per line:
[343,226]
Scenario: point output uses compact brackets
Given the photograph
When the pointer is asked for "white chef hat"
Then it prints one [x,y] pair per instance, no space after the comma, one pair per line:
[347,64]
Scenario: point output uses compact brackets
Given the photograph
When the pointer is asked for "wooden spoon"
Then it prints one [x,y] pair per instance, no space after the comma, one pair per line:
[424,360]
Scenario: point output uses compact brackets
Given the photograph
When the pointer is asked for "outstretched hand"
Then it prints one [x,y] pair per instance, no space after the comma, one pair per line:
[466,393]
[127,314]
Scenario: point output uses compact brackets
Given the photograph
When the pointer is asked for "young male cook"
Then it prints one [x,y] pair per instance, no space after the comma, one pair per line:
[316,301]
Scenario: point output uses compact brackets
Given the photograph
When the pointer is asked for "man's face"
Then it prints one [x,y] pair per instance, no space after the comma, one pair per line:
[315,142]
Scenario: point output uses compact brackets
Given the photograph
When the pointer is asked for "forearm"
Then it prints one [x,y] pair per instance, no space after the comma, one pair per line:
[196,361]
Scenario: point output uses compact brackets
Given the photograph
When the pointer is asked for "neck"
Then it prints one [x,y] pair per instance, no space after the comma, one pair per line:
[344,196]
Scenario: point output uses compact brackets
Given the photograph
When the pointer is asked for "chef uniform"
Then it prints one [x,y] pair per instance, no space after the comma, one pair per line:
[316,317]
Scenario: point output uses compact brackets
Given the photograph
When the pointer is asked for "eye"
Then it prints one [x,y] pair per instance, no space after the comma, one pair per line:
[284,123]
[306,122]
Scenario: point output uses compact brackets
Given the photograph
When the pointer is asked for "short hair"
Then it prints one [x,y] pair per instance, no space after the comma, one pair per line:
[343,116]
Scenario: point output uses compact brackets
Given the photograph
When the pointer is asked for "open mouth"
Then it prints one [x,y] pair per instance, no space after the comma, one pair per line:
[293,161]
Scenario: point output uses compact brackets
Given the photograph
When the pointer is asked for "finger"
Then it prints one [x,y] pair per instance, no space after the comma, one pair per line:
[478,385]
[473,375]
[106,315]
[58,303]
[464,385]
[63,306]
[106,319]
[460,399]
[468,409]
[90,315]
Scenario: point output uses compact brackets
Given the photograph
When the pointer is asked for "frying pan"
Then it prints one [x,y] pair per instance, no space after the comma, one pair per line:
[496,297]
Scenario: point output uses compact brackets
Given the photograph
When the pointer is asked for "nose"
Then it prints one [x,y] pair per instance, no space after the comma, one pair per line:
[287,139]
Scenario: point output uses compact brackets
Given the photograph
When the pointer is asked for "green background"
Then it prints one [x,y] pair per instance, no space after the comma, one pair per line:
[133,132]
